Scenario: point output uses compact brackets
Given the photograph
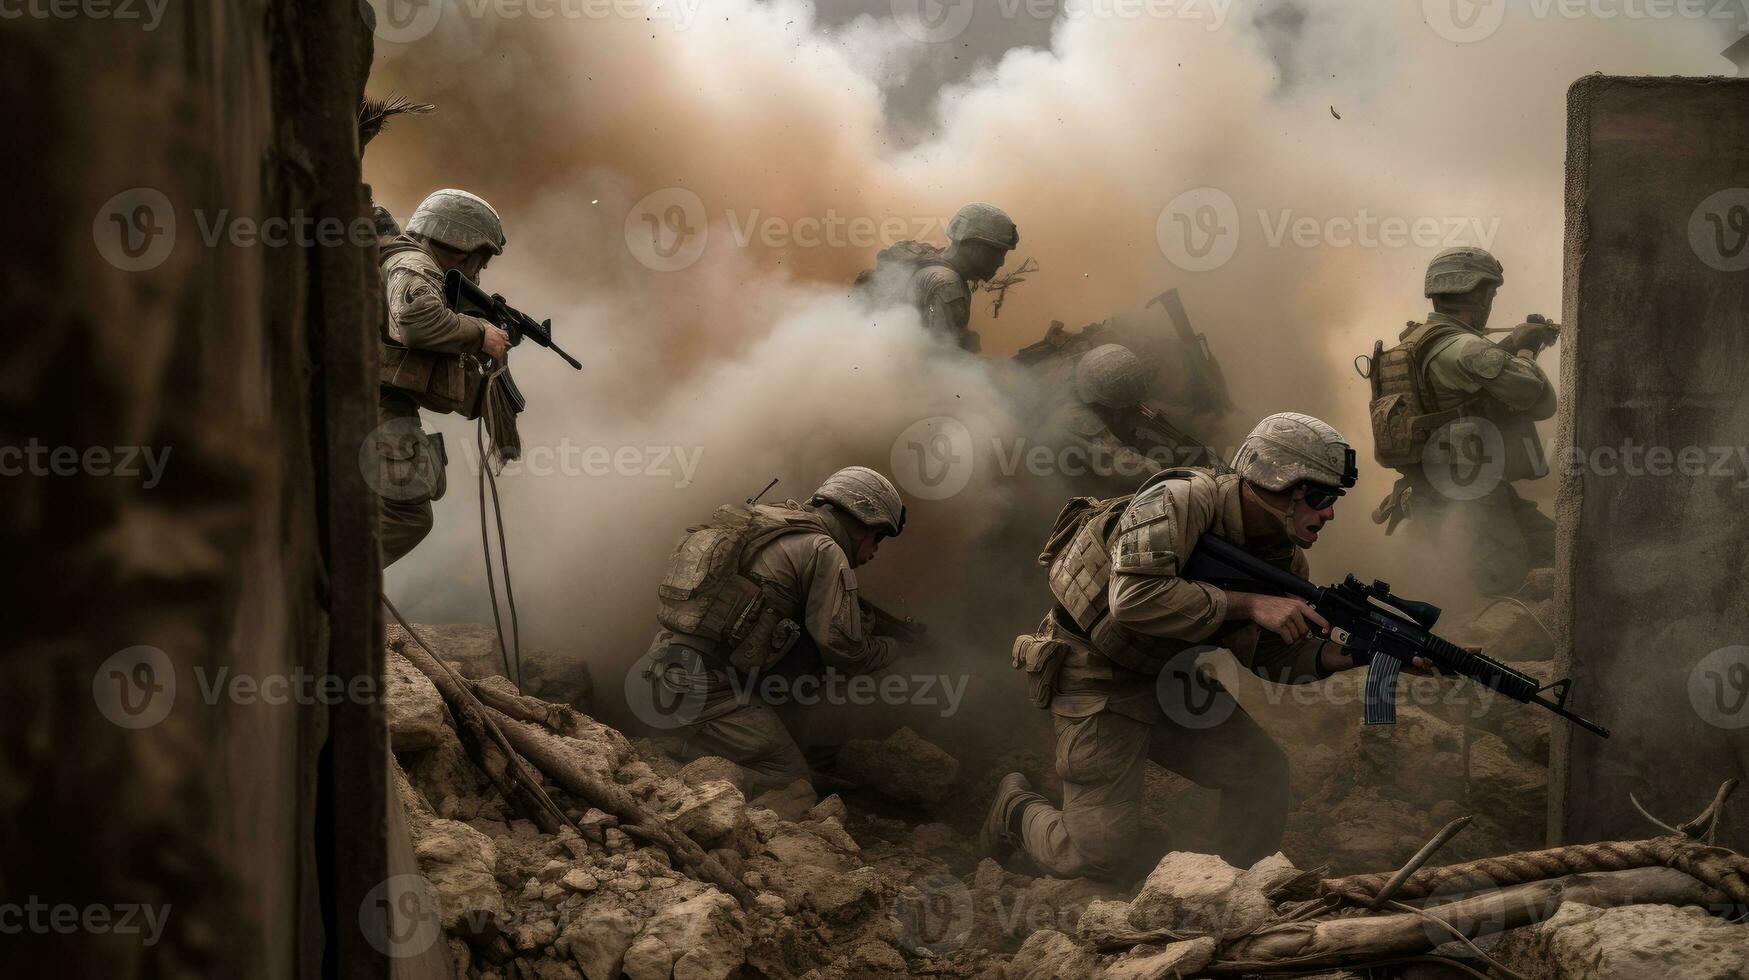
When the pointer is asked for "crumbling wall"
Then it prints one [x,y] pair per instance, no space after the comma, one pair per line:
[147,322]
[1654,534]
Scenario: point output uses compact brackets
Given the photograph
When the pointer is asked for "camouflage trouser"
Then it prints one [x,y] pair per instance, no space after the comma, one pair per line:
[1101,759]
[1503,535]
[407,478]
[753,737]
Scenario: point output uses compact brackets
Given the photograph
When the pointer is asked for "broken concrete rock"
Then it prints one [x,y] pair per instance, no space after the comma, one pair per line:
[472,649]
[1163,962]
[1049,955]
[904,767]
[714,814]
[415,709]
[703,938]
[597,939]
[1634,942]
[1200,893]
[458,861]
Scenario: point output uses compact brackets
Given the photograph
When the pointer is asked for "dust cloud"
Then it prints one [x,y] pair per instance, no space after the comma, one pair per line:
[766,137]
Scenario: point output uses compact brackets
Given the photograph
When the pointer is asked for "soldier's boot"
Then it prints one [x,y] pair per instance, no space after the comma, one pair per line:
[1000,835]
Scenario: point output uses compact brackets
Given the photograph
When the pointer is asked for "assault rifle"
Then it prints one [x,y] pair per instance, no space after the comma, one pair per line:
[1384,631]
[1188,451]
[463,296]
[901,628]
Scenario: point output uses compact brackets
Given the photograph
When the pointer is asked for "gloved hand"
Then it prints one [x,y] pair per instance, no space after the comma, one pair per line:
[1533,335]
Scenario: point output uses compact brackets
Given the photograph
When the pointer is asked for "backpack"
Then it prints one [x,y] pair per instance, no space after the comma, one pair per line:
[912,254]
[707,595]
[1402,408]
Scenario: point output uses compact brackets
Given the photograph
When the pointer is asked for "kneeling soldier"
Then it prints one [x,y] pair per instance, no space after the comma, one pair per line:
[767,590]
[1124,614]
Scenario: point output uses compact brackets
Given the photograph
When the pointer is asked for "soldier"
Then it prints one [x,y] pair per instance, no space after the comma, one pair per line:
[430,355]
[768,590]
[1123,614]
[1454,412]
[938,282]
[1106,415]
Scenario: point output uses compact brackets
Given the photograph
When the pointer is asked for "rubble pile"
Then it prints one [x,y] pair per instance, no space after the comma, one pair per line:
[834,891]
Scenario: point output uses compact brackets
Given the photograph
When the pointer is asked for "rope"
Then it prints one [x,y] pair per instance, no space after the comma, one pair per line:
[489,479]
[1719,867]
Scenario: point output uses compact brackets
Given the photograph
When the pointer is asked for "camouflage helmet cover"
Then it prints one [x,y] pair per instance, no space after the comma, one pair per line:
[865,495]
[1461,269]
[1111,375]
[984,223]
[1288,448]
[462,221]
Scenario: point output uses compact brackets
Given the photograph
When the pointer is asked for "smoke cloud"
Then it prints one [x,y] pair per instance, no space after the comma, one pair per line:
[689,198]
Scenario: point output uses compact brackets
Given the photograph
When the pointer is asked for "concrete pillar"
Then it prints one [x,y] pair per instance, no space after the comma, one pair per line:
[1653,507]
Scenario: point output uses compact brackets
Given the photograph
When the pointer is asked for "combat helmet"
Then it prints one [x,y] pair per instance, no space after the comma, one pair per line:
[1287,448]
[984,223]
[460,220]
[1461,269]
[865,495]
[1111,375]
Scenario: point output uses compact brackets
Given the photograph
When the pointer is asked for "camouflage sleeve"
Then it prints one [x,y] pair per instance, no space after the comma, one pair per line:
[1157,530]
[946,310]
[1475,364]
[418,317]
[834,618]
[1086,429]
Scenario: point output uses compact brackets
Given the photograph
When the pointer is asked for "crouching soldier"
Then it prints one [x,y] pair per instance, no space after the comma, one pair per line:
[1123,615]
[766,591]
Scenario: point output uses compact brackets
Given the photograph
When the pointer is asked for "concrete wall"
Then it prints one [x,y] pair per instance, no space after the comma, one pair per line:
[1654,566]
[253,830]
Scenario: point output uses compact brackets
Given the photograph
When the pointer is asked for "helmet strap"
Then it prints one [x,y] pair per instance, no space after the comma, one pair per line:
[1283,516]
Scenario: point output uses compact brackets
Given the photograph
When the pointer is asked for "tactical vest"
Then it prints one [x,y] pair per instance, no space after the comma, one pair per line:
[1078,554]
[437,382]
[708,598]
[1406,411]
[911,255]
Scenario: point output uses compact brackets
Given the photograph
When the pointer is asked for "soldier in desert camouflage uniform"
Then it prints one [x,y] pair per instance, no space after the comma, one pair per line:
[1125,619]
[1455,413]
[430,355]
[1104,416]
[939,282]
[766,590]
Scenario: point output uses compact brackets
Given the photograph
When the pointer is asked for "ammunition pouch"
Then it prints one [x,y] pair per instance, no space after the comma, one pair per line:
[1041,655]
[442,383]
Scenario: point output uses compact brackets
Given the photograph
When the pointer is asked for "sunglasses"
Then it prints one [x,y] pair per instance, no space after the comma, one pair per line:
[1318,496]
